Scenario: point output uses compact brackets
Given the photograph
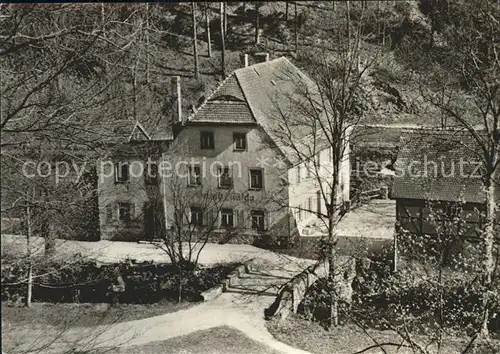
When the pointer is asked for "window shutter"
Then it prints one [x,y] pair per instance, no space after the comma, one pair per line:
[267,220]
[205,218]
[214,219]
[241,220]
[209,217]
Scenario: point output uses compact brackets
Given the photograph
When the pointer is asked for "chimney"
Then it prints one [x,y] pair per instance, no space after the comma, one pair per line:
[261,57]
[244,60]
[176,87]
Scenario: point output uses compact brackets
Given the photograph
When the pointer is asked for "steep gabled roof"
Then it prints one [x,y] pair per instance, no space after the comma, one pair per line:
[139,132]
[258,94]
[439,165]
[226,105]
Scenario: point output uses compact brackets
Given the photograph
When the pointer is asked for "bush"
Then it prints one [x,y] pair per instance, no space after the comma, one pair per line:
[83,281]
[381,298]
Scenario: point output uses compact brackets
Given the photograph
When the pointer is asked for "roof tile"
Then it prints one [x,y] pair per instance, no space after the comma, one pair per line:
[439,165]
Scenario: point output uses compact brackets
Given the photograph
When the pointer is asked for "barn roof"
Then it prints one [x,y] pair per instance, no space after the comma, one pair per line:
[442,165]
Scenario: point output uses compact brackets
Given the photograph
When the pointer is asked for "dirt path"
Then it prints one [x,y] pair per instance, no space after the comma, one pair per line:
[242,308]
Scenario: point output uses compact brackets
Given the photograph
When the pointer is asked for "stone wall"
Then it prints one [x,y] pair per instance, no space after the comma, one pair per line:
[292,293]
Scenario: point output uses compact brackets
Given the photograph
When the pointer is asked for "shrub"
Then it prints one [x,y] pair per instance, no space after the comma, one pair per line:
[83,281]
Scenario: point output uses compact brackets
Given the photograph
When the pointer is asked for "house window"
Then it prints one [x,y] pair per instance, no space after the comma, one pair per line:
[299,212]
[309,205]
[298,174]
[225,179]
[227,218]
[309,167]
[194,177]
[121,172]
[196,216]
[256,179]
[207,140]
[151,174]
[240,141]
[124,211]
[257,219]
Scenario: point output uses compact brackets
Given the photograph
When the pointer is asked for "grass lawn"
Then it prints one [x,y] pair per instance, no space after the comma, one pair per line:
[63,315]
[217,340]
[310,336]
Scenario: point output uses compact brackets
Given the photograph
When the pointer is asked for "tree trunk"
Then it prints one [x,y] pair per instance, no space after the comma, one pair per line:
[383,34]
[47,231]
[147,43]
[334,313]
[286,11]
[348,27]
[225,18]
[134,89]
[296,27]
[207,24]
[102,14]
[195,42]
[29,290]
[489,239]
[223,40]
[179,298]
[257,24]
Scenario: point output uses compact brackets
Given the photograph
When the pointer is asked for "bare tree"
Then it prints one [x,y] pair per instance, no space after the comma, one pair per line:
[324,111]
[296,27]
[223,39]
[439,272]
[195,41]
[470,98]
[191,219]
[207,28]
[258,4]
